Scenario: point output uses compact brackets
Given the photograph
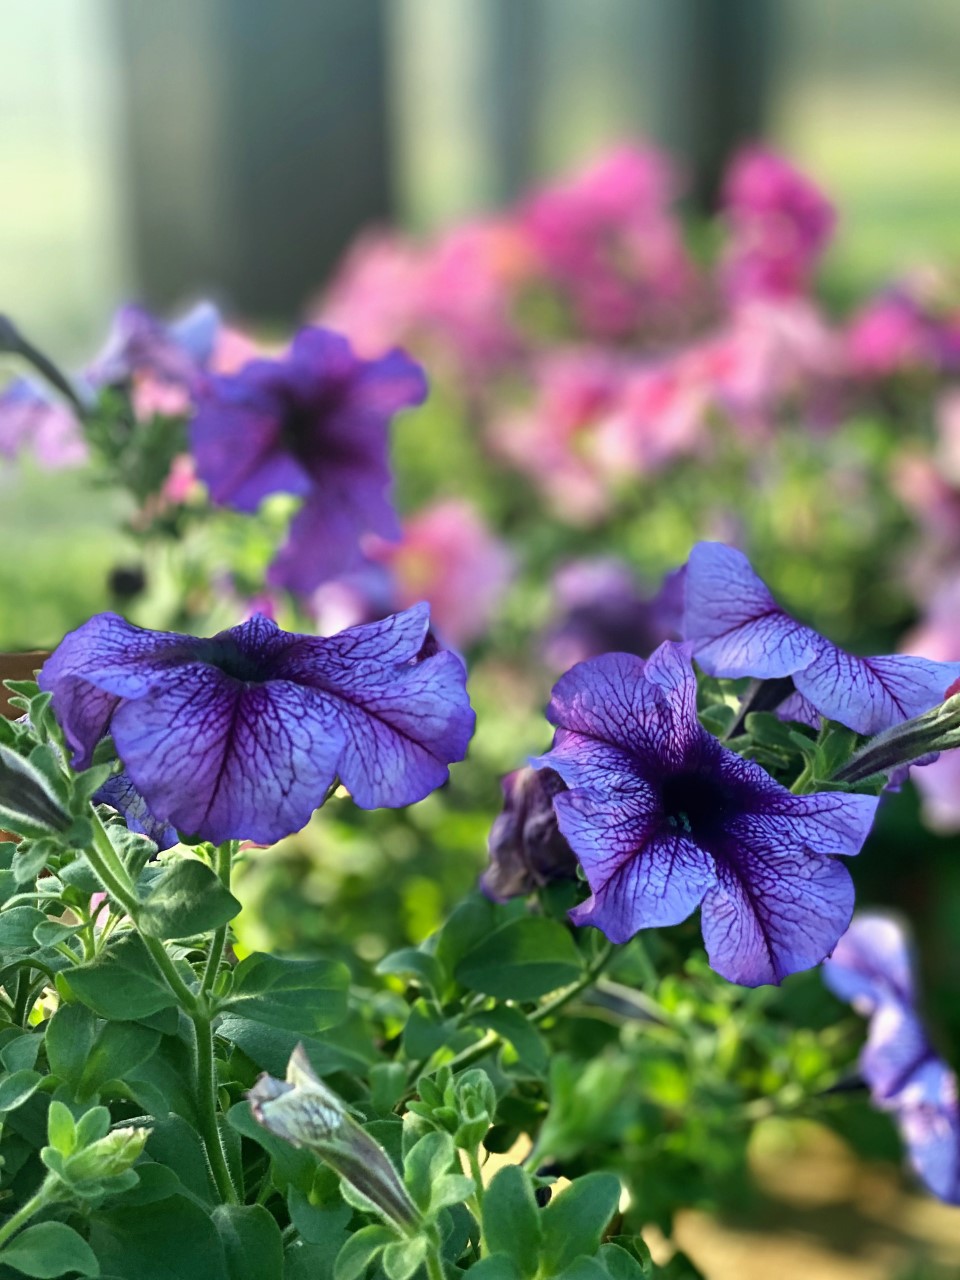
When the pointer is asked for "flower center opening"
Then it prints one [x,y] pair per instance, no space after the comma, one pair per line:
[232,661]
[695,805]
[302,431]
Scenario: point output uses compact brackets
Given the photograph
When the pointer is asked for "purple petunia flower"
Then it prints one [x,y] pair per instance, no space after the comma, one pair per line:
[239,736]
[872,968]
[313,425]
[139,343]
[33,418]
[738,629]
[664,819]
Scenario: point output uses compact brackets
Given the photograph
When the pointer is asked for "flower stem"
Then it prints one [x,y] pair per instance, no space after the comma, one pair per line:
[224,862]
[467,1057]
[207,1108]
[46,1194]
[435,1265]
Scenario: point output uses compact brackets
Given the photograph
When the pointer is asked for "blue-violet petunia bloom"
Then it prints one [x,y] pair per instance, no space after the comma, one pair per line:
[738,629]
[240,735]
[872,968]
[663,819]
[315,425]
[139,343]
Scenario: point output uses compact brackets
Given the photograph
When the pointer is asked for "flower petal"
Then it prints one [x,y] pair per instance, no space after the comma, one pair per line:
[323,541]
[931,1131]
[871,964]
[736,626]
[640,877]
[119,793]
[105,659]
[646,708]
[775,910]
[225,759]
[898,1060]
[873,694]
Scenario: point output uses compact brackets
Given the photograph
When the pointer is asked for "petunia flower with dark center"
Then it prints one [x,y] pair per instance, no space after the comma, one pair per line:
[872,968]
[240,736]
[738,629]
[313,424]
[664,819]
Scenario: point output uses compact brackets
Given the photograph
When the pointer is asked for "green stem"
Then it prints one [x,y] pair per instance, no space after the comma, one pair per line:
[44,1196]
[477,1175]
[467,1057]
[435,1265]
[106,862]
[207,1107]
[225,854]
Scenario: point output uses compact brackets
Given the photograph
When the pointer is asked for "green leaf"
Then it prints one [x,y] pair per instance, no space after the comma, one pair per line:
[360,1250]
[50,1249]
[620,1264]
[16,928]
[171,1239]
[403,1258]
[61,1129]
[29,804]
[498,1266]
[511,1219]
[70,1036]
[574,1221]
[121,984]
[187,899]
[305,996]
[175,1143]
[120,1047]
[16,1088]
[426,1161]
[523,959]
[584,1269]
[412,963]
[21,1053]
[512,1026]
[251,1242]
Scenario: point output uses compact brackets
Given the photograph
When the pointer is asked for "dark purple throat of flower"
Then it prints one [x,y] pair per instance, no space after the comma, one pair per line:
[695,804]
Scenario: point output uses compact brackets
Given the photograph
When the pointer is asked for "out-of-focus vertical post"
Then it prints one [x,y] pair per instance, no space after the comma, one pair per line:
[257,143]
[713,89]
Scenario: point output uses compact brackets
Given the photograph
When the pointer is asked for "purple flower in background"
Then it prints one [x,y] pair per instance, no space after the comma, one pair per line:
[141,344]
[872,968]
[119,793]
[664,819]
[527,850]
[314,425]
[239,736]
[601,610]
[738,629]
[33,418]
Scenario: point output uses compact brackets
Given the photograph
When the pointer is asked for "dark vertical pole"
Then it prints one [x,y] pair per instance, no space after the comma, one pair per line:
[257,142]
[714,86]
[512,90]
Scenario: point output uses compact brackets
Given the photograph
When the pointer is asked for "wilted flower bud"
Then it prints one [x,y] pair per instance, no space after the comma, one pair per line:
[526,848]
[302,1110]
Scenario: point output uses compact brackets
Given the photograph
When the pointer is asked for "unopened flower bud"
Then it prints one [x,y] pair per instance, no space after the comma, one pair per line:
[109,1156]
[913,742]
[302,1110]
[526,848]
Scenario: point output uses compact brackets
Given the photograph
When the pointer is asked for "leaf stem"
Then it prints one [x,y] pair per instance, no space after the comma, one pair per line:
[46,1194]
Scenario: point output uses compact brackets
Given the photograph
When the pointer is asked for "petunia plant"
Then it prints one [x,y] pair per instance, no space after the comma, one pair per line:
[173,1103]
